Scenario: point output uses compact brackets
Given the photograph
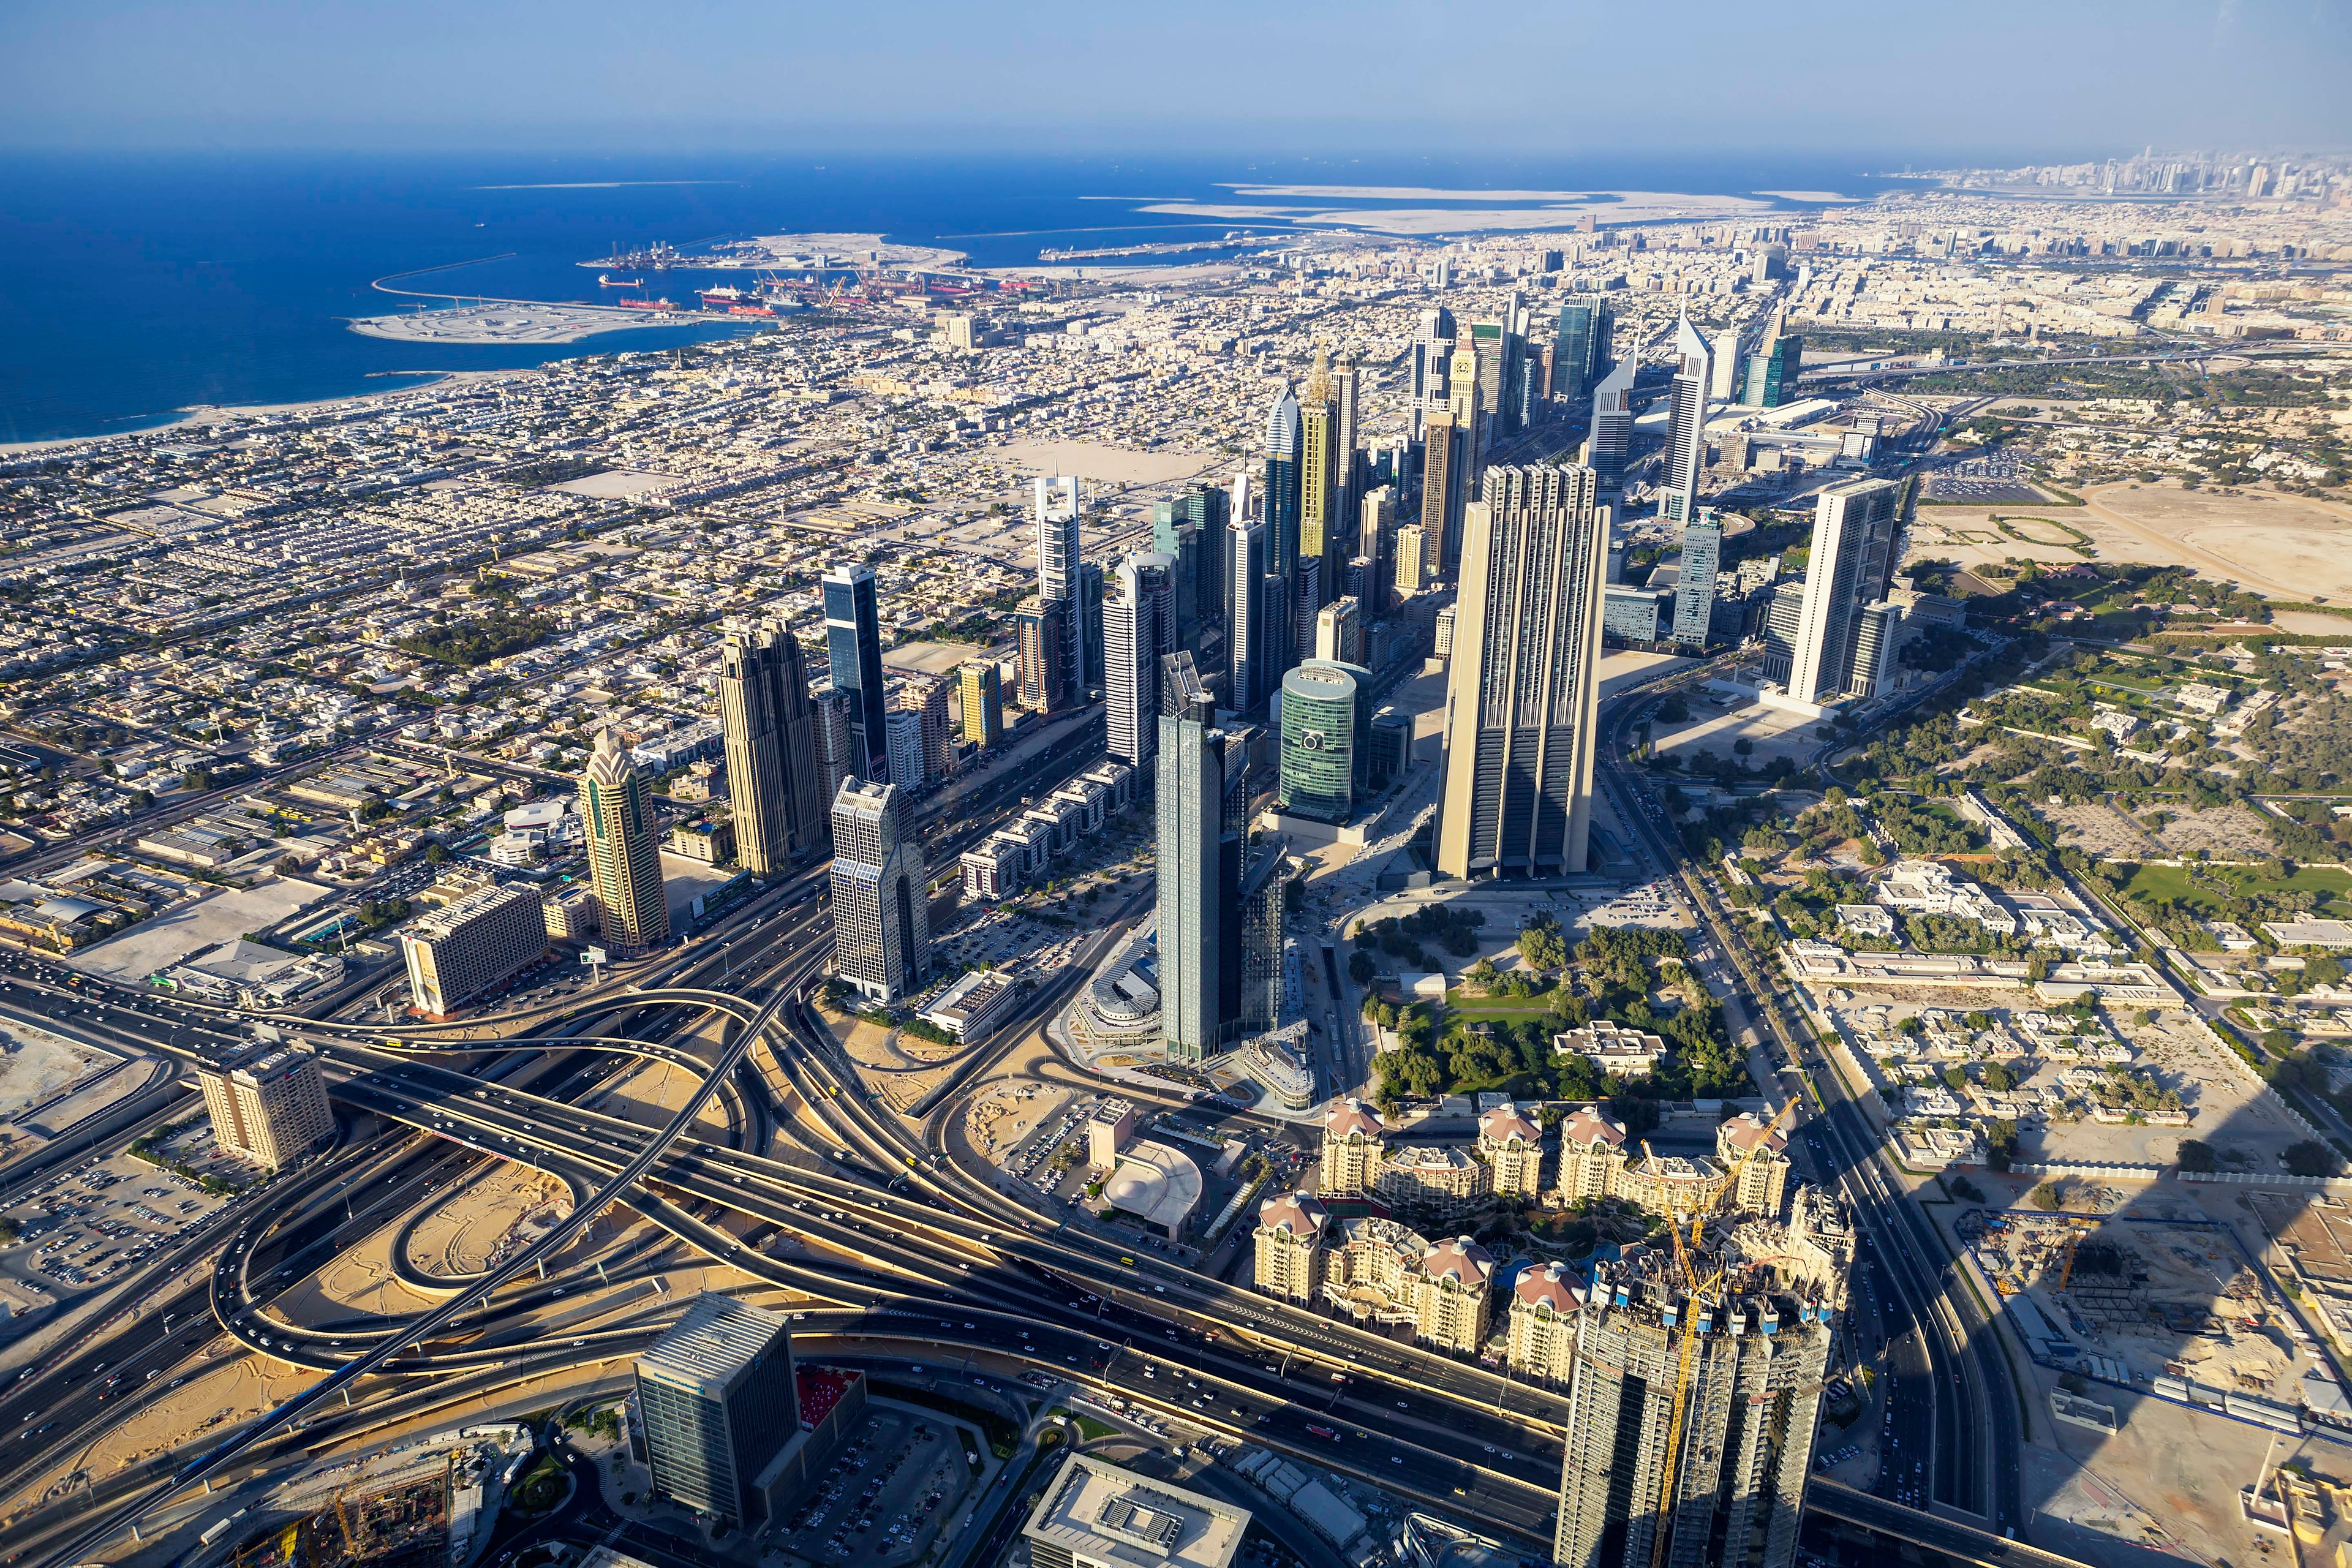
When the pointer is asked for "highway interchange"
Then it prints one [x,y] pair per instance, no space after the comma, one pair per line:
[806,1184]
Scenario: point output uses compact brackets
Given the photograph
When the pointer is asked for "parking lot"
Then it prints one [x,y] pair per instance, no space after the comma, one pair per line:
[890,1489]
[80,1229]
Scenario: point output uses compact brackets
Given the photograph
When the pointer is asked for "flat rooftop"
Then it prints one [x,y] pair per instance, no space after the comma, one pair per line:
[1106,1514]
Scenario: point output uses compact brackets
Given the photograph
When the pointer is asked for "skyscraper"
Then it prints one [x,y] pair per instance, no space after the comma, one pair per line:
[616,813]
[718,1401]
[881,914]
[1339,631]
[1443,464]
[853,638]
[1523,682]
[1347,397]
[1433,353]
[981,691]
[1723,365]
[1087,673]
[1057,514]
[1851,564]
[1612,423]
[1320,515]
[1249,656]
[1694,589]
[1284,437]
[1039,627]
[1193,910]
[1580,346]
[1139,630]
[1379,543]
[1323,714]
[1694,1411]
[774,776]
[1772,372]
[1191,527]
[1686,437]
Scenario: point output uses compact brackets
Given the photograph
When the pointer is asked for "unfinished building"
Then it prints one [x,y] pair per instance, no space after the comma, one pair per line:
[1696,1384]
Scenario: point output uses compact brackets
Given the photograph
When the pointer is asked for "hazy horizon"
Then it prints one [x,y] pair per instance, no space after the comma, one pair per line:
[2007,80]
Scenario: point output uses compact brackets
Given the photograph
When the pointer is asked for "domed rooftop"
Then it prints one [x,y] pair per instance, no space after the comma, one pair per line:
[1461,1260]
[1505,1122]
[1554,1286]
[1347,1116]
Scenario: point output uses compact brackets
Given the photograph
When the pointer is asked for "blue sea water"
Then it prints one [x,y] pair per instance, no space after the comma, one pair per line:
[133,289]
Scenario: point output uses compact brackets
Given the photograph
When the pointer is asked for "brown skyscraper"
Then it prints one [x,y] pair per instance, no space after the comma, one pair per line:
[1522,692]
[774,777]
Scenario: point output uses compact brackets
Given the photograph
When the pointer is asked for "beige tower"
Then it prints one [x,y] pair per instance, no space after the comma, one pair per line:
[1512,1145]
[1755,1156]
[269,1107]
[1351,1150]
[1290,1256]
[623,850]
[1523,686]
[1592,1151]
[1318,470]
[1543,1324]
[1451,1311]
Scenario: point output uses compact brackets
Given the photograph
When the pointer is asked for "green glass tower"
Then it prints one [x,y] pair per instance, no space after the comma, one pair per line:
[1322,739]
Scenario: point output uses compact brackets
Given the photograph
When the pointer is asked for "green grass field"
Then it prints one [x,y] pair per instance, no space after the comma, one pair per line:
[2330,885]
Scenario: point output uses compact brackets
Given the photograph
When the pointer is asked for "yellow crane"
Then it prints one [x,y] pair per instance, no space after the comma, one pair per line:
[1699,1295]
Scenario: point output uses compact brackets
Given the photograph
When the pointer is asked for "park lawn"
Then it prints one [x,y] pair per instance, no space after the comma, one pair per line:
[1500,1007]
[2330,886]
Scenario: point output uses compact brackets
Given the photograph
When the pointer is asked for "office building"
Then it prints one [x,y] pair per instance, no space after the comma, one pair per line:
[881,912]
[1307,593]
[905,731]
[1056,513]
[1089,608]
[1321,520]
[1580,346]
[774,777]
[1630,614]
[616,815]
[1611,438]
[1093,1514]
[1772,372]
[1686,434]
[1851,564]
[1377,536]
[829,723]
[1443,473]
[1039,627]
[980,702]
[1784,613]
[719,1404]
[1250,648]
[1695,588]
[1284,437]
[1723,365]
[1874,648]
[1192,528]
[1412,573]
[853,639]
[458,952]
[268,1106]
[1523,685]
[1139,630]
[1432,359]
[1339,631]
[1263,909]
[1347,400]
[1322,715]
[1195,902]
[1695,1397]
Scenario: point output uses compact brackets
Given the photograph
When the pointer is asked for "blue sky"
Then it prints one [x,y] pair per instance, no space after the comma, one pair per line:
[2049,78]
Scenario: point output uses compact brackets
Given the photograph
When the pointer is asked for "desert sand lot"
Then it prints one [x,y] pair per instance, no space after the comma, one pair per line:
[1106,465]
[2283,547]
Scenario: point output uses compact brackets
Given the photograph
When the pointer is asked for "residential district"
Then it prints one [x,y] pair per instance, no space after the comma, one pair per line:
[1671,892]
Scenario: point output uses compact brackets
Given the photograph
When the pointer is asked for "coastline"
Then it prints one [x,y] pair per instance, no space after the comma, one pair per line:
[202,415]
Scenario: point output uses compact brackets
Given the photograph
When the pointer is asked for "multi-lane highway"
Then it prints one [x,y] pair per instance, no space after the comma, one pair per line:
[861,1214]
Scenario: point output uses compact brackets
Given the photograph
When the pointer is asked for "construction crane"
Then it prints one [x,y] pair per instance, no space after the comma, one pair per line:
[1697,1296]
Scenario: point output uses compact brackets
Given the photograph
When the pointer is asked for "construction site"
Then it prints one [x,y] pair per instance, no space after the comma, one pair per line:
[2135,1301]
[402,1522]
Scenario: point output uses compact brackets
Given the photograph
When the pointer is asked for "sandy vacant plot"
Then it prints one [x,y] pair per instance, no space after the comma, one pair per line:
[1718,730]
[2281,546]
[1109,465]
